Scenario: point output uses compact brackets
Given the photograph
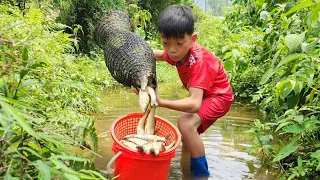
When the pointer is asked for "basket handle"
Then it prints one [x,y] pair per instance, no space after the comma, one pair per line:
[109,169]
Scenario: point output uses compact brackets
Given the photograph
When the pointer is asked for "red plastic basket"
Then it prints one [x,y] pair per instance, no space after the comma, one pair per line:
[137,165]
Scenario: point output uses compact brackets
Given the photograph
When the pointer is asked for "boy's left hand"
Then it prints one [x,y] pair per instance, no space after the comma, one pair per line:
[135,90]
[157,96]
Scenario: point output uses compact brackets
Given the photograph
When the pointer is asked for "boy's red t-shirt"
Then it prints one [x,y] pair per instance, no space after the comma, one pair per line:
[205,71]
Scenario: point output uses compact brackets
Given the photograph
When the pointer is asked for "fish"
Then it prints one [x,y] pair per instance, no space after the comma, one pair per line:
[145,148]
[144,98]
[157,147]
[140,126]
[151,122]
[137,141]
[130,145]
[152,94]
[148,137]
[168,147]
[152,147]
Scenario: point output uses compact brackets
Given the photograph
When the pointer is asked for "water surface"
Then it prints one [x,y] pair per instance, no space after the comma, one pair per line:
[224,141]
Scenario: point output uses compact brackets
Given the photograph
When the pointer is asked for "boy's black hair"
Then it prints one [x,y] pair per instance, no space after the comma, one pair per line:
[175,21]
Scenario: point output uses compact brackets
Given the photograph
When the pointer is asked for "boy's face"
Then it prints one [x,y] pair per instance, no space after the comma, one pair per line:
[178,48]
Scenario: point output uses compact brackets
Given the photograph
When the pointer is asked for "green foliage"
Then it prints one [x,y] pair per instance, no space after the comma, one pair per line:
[86,14]
[262,140]
[288,90]
[154,7]
[45,95]
[235,50]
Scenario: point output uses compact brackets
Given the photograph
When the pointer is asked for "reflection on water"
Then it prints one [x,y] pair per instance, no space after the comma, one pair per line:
[224,141]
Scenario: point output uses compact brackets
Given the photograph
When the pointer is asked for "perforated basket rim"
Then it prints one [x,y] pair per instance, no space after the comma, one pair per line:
[123,148]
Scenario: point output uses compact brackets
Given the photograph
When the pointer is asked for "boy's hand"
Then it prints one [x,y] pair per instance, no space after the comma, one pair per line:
[135,90]
[157,96]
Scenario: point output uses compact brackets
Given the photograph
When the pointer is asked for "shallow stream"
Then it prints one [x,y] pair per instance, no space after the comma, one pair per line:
[224,141]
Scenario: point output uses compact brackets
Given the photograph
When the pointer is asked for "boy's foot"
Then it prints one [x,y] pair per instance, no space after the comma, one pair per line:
[199,166]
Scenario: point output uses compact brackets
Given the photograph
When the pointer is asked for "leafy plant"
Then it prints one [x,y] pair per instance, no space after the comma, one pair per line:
[288,91]
[43,102]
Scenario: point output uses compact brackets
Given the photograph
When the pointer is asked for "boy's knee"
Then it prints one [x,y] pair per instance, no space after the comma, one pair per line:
[188,121]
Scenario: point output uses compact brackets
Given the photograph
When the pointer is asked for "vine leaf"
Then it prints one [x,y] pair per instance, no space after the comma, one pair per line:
[287,150]
[294,41]
[300,6]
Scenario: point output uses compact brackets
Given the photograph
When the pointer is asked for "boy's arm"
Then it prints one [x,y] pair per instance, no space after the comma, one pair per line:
[158,55]
[190,104]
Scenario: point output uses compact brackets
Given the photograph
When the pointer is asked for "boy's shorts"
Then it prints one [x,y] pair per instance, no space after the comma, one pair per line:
[212,108]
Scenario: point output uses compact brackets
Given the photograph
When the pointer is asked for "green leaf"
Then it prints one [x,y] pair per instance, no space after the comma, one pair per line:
[50,139]
[44,170]
[235,53]
[227,55]
[267,75]
[34,66]
[31,151]
[296,128]
[62,166]
[15,102]
[282,125]
[28,82]
[73,158]
[299,119]
[284,152]
[311,125]
[298,87]
[294,41]
[293,100]
[71,176]
[299,161]
[300,6]
[311,95]
[23,73]
[316,155]
[314,17]
[9,177]
[25,54]
[94,173]
[228,65]
[21,121]
[275,57]
[289,58]
[287,88]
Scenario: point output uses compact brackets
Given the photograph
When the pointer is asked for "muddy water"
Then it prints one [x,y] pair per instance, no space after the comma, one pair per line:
[224,141]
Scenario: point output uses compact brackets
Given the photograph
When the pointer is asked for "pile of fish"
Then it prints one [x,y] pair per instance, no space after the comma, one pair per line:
[145,140]
[146,143]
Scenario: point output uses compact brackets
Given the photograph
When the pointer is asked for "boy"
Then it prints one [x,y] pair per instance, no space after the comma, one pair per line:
[202,74]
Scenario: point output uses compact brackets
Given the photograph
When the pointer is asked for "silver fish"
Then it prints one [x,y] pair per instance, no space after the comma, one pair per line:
[137,141]
[145,148]
[148,137]
[169,146]
[157,147]
[140,126]
[151,122]
[144,100]
[130,145]
[153,147]
[152,95]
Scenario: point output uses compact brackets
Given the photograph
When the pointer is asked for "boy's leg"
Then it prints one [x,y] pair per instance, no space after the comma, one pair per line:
[188,124]
[193,124]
